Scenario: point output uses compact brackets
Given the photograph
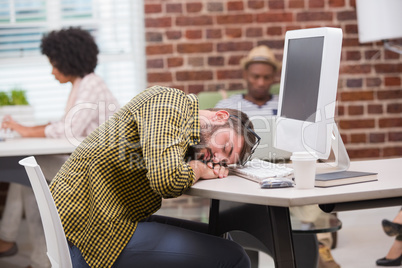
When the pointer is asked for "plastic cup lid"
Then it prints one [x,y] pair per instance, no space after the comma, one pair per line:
[306,156]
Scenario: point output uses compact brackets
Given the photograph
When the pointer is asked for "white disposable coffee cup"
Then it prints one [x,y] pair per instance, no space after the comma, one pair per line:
[304,164]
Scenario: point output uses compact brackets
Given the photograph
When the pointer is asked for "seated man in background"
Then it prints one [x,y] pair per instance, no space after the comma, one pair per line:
[73,54]
[157,146]
[260,70]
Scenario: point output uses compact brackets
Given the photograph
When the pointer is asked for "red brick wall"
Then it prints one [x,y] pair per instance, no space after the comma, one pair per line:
[196,46]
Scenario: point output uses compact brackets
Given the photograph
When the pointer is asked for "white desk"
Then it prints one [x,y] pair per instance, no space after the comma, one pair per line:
[240,204]
[35,146]
[13,150]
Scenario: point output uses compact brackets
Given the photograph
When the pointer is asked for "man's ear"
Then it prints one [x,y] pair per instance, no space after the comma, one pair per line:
[221,116]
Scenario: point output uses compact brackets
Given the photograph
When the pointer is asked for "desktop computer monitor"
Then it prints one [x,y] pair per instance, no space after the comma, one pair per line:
[264,126]
[308,87]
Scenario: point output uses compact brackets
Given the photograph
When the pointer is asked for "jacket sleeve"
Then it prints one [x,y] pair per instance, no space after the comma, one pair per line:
[164,133]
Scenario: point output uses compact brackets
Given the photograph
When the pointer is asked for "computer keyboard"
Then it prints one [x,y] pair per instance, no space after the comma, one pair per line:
[257,170]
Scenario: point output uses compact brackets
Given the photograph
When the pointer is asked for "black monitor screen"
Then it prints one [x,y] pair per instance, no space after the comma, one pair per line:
[302,78]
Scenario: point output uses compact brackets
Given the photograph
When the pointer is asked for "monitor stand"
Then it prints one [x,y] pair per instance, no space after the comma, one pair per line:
[341,164]
[342,160]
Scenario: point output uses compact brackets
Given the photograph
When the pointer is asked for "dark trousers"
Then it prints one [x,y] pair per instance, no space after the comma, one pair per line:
[167,242]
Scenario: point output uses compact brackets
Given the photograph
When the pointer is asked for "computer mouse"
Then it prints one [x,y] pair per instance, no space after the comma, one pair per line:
[276,183]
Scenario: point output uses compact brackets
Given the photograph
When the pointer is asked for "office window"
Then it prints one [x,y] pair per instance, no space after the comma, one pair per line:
[118,28]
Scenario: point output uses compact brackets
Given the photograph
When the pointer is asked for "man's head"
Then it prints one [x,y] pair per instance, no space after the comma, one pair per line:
[260,54]
[259,70]
[227,137]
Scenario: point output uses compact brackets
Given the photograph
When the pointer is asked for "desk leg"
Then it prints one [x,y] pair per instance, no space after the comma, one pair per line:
[269,227]
[282,236]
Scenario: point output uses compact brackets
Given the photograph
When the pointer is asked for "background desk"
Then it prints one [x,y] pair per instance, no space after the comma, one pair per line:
[13,150]
[236,202]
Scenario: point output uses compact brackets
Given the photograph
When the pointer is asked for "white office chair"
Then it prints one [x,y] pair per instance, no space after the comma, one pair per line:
[57,248]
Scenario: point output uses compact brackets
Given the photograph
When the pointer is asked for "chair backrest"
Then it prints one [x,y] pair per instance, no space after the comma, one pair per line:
[208,99]
[57,248]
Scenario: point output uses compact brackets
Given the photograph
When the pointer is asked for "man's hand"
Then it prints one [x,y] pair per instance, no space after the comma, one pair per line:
[220,171]
[209,170]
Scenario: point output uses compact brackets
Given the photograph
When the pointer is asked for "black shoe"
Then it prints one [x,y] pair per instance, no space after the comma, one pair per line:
[391,228]
[12,251]
[387,262]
